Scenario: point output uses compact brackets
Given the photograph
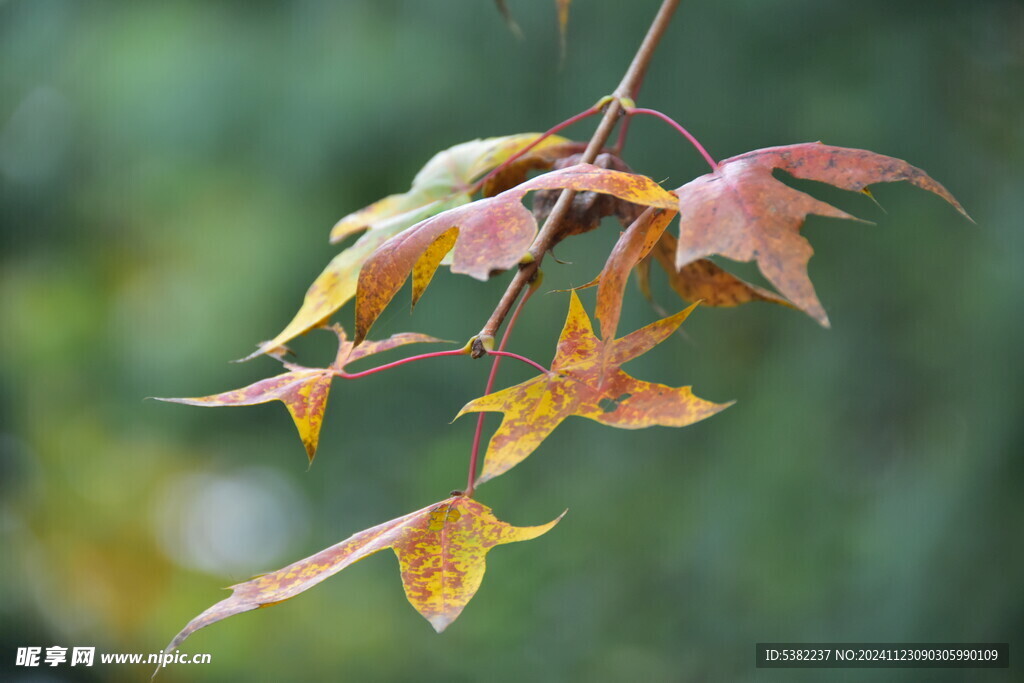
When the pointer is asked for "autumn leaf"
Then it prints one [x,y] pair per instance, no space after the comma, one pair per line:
[493,234]
[441,553]
[586,380]
[701,280]
[446,181]
[303,390]
[743,213]
[633,245]
[587,208]
[333,288]
[449,173]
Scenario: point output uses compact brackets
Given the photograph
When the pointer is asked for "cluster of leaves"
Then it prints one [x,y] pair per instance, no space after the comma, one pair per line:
[739,211]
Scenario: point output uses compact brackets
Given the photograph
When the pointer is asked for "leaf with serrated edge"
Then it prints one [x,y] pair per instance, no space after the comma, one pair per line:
[743,213]
[441,552]
[586,380]
[303,391]
[493,233]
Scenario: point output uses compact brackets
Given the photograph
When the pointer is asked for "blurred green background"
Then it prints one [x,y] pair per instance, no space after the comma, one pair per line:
[168,175]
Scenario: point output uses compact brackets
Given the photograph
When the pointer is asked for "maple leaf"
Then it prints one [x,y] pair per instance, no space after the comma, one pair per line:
[488,235]
[303,390]
[444,182]
[743,213]
[586,380]
[701,280]
[441,553]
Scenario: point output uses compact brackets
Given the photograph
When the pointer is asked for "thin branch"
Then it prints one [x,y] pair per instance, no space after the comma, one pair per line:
[620,143]
[634,95]
[540,138]
[552,226]
[395,364]
[424,356]
[682,131]
[508,354]
[474,452]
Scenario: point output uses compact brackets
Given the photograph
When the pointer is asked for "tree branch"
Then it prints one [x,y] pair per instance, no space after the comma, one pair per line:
[549,231]
[474,452]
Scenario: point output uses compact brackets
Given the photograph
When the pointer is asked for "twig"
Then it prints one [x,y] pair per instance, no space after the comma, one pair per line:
[550,230]
[682,131]
[474,453]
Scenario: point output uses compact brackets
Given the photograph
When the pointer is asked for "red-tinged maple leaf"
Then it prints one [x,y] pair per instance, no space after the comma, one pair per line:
[489,234]
[441,553]
[633,245]
[446,181]
[303,390]
[743,213]
[586,380]
[701,280]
